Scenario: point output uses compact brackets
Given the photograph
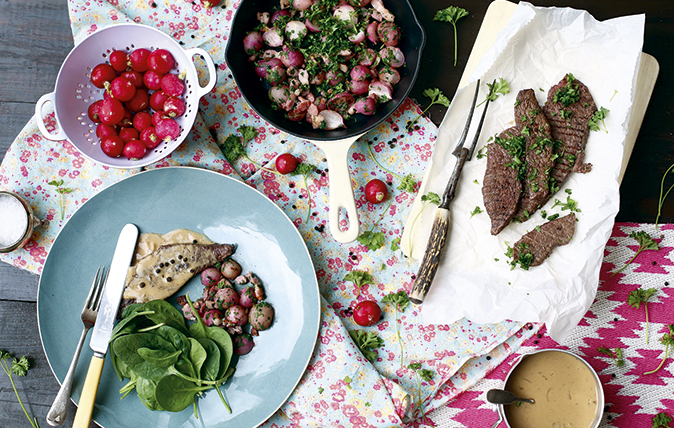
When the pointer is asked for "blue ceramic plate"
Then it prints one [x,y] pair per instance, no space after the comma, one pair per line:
[227,211]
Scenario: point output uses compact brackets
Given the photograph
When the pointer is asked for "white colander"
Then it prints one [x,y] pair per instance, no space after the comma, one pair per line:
[74,92]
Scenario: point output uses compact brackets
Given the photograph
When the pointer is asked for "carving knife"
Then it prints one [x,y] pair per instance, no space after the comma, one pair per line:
[107,313]
[437,239]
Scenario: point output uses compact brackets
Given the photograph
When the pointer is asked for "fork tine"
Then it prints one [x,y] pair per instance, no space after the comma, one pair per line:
[464,134]
[92,290]
[100,286]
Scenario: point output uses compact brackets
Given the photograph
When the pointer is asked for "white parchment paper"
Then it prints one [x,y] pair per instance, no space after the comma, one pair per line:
[535,50]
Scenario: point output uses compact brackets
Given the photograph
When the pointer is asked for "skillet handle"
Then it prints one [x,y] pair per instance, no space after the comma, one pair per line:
[341,191]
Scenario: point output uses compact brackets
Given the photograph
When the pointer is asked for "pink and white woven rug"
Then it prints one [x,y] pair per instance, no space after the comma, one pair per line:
[632,398]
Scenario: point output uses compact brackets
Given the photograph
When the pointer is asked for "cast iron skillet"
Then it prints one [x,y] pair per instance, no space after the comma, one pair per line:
[334,143]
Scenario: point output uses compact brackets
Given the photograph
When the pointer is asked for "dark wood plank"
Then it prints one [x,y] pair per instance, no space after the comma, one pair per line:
[19,336]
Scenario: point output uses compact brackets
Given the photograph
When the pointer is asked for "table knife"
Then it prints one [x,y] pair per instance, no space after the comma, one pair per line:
[107,313]
[437,239]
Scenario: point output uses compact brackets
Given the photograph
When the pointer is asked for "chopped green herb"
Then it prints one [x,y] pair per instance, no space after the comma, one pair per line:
[667,339]
[437,97]
[371,239]
[661,420]
[20,368]
[421,374]
[359,278]
[407,183]
[367,342]
[568,94]
[639,296]
[645,243]
[499,87]
[617,356]
[477,210]
[570,204]
[597,120]
[305,169]
[400,302]
[61,191]
[395,244]
[451,14]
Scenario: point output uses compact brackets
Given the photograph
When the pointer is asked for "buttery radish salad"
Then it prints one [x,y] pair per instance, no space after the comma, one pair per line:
[326,60]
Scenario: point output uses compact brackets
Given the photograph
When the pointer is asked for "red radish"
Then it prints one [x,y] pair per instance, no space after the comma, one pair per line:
[210,3]
[149,137]
[158,116]
[128,134]
[160,61]
[286,163]
[139,102]
[167,129]
[127,119]
[172,85]
[101,74]
[138,59]
[112,145]
[152,80]
[135,77]
[134,150]
[118,60]
[142,120]
[94,111]
[122,89]
[174,107]
[111,111]
[103,130]
[376,191]
[157,100]
[367,313]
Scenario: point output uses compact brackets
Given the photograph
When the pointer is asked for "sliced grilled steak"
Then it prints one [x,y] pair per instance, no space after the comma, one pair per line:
[502,184]
[536,246]
[569,108]
[532,123]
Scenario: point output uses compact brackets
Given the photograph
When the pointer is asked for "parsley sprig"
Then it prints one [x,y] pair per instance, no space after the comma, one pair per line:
[639,296]
[367,342]
[596,122]
[661,420]
[499,87]
[305,169]
[663,194]
[61,191]
[428,198]
[359,278]
[20,368]
[421,374]
[451,14]
[371,239]
[437,97]
[667,339]
[234,146]
[400,302]
[645,243]
[616,355]
[407,183]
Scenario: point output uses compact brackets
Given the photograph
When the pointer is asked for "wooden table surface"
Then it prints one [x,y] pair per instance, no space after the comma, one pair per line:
[36,37]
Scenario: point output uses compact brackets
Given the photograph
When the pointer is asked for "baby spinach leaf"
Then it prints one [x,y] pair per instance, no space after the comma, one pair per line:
[175,394]
[162,312]
[211,367]
[159,357]
[224,342]
[145,389]
[126,349]
[198,354]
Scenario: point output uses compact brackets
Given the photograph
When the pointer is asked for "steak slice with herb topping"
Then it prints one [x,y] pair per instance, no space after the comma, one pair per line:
[502,185]
[539,159]
[536,246]
[569,108]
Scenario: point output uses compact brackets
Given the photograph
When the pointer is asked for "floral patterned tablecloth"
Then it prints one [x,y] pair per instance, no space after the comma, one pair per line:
[340,387]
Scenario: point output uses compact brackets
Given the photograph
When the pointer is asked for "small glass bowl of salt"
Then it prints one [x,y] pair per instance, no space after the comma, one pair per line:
[17,222]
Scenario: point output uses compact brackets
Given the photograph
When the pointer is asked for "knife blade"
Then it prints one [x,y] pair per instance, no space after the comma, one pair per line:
[112,296]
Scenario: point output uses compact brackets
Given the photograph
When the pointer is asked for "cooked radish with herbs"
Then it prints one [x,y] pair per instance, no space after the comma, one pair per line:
[325,61]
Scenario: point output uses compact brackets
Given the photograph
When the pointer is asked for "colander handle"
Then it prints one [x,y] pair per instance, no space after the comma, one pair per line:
[341,191]
[212,75]
[59,134]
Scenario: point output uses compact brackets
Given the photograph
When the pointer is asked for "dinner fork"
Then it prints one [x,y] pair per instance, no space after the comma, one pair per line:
[58,410]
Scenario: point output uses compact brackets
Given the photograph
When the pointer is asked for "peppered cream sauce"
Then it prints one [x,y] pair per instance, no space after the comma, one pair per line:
[142,281]
[564,388]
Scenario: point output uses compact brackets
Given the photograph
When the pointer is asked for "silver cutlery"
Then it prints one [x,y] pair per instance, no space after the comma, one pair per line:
[59,409]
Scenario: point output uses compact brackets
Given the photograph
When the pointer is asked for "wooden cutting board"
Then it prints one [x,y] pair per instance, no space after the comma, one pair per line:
[497,16]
